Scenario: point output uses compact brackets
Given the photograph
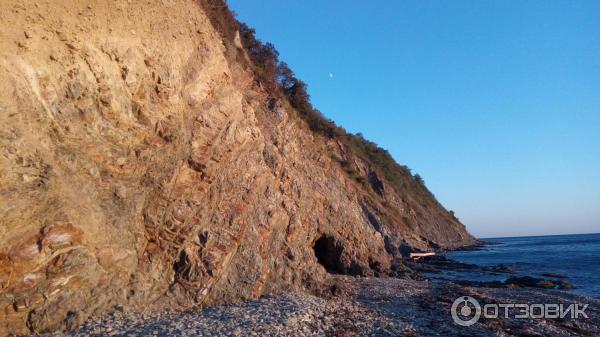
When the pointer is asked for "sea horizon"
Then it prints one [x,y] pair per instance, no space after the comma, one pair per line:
[531,236]
[578,261]
[299,169]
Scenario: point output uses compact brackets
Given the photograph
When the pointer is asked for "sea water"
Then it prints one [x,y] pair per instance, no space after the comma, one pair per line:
[575,256]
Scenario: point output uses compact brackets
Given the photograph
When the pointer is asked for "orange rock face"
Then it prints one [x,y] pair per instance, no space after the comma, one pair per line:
[141,166]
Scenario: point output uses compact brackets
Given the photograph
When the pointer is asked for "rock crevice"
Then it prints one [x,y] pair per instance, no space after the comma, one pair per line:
[142,166]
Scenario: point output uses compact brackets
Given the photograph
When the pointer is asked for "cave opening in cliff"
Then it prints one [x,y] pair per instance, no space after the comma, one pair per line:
[328,253]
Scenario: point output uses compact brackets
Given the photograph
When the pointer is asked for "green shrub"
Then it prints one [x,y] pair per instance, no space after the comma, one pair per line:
[280,81]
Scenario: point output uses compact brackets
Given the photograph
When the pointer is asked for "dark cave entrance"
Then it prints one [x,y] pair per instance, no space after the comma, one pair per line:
[329,253]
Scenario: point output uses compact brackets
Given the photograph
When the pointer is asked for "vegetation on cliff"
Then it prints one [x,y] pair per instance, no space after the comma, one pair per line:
[149,161]
[280,81]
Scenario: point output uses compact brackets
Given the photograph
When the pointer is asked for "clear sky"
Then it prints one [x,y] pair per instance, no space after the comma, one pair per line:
[496,104]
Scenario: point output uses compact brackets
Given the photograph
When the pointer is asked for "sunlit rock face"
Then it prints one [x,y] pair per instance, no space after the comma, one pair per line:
[142,166]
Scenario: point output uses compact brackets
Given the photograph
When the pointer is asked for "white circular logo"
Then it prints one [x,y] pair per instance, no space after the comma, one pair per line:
[465,311]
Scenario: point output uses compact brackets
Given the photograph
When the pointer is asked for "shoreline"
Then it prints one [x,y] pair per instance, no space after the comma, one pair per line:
[417,304]
[362,307]
[566,261]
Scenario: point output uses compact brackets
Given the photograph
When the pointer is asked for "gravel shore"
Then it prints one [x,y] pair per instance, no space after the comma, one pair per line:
[367,307]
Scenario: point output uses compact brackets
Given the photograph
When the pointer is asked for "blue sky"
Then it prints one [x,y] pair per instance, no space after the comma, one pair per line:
[496,104]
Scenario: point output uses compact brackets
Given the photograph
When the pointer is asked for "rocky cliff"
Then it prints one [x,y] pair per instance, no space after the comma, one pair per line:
[143,166]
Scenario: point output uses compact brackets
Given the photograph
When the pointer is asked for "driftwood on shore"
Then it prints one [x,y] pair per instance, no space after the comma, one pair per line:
[419,255]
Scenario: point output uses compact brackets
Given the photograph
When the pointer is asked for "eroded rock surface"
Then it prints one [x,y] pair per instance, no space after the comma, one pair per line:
[143,166]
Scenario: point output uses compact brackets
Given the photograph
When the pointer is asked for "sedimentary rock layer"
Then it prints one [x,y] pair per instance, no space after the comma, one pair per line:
[141,166]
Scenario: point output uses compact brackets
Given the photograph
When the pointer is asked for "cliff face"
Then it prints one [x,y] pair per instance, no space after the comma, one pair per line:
[141,165]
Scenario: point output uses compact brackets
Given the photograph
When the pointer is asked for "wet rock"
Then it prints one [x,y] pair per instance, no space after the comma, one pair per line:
[528,281]
[554,275]
[518,282]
